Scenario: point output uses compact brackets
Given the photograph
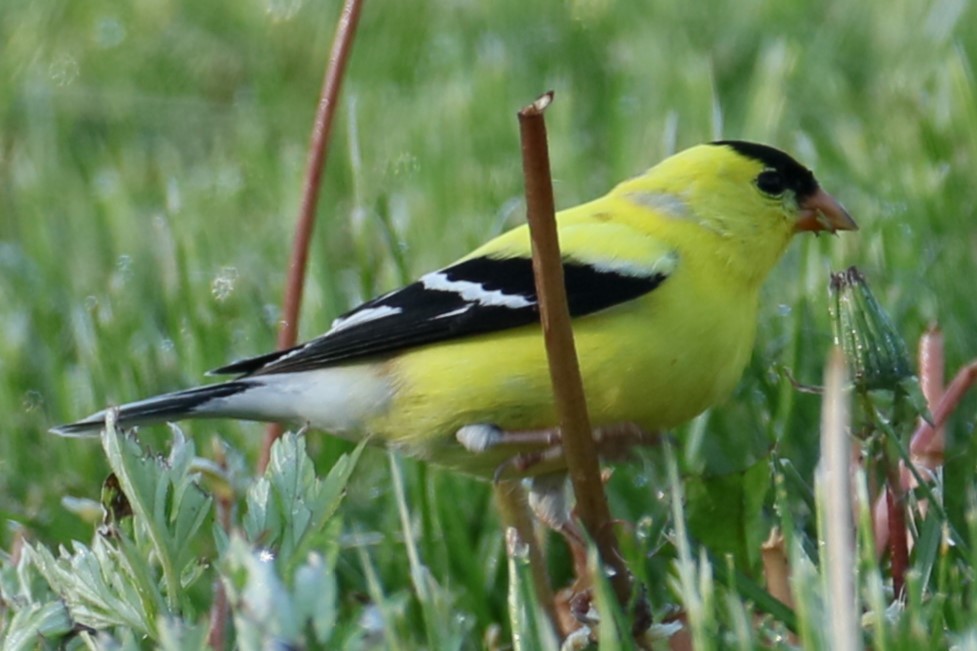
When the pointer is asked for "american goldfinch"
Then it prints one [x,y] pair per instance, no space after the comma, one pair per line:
[662,276]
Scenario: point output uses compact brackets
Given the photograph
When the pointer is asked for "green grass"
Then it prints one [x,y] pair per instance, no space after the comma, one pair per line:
[151,159]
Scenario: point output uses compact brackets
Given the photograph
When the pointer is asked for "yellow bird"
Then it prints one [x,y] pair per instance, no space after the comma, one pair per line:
[663,276]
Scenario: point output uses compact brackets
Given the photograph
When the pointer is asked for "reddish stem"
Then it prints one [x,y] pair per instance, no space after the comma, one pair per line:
[898,541]
[927,443]
[220,609]
[931,365]
[318,148]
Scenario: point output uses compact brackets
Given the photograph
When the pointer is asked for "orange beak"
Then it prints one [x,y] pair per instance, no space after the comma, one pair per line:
[822,212]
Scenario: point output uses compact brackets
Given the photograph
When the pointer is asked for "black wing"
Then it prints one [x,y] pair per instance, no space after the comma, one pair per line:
[475,296]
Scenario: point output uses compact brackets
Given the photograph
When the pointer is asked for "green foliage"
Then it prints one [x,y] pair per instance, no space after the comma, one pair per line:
[725,512]
[35,611]
[135,580]
[151,157]
[288,508]
[168,510]
[530,627]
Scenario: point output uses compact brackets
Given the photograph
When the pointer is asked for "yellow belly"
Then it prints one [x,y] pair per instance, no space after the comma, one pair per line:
[637,366]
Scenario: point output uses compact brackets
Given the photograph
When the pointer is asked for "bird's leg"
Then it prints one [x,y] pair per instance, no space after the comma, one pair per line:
[544,443]
[520,464]
[613,442]
[482,436]
[548,496]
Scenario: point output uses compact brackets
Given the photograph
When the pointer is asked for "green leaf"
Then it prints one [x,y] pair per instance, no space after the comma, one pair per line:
[97,586]
[267,611]
[167,505]
[316,595]
[614,632]
[48,620]
[725,512]
[263,610]
[180,635]
[288,508]
[277,590]
[530,628]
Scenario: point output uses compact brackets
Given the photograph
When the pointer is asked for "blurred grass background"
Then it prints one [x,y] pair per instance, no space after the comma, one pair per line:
[151,159]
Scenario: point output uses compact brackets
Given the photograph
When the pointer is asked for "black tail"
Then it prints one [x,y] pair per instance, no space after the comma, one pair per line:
[158,409]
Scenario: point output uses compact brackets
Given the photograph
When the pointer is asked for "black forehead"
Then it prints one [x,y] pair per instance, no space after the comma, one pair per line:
[798,178]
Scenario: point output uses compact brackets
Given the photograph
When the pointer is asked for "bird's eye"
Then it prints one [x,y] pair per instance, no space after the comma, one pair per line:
[771,182]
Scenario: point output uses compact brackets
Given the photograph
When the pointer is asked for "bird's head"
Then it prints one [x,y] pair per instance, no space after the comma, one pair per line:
[748,198]
[784,187]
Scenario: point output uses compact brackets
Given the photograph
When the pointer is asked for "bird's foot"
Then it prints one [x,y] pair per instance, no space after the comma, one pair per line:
[551,503]
[616,441]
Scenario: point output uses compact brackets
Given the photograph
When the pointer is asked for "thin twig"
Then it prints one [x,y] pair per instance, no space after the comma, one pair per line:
[578,444]
[318,148]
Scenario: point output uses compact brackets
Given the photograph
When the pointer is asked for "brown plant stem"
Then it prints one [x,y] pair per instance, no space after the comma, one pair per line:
[220,609]
[895,499]
[318,148]
[579,447]
[776,567]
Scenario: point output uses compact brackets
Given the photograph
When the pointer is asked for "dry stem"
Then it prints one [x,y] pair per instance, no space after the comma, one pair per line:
[579,447]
